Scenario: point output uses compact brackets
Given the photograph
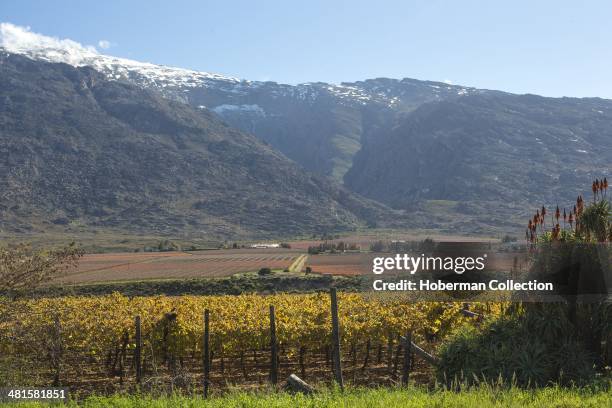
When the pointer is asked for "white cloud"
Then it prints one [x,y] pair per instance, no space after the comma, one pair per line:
[20,40]
[448,81]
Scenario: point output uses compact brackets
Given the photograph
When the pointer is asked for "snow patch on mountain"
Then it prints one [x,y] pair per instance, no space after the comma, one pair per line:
[255,109]
[176,83]
[20,40]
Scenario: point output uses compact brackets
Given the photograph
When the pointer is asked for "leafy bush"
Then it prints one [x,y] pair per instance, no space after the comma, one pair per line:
[167,245]
[533,346]
[313,250]
[264,271]
[509,238]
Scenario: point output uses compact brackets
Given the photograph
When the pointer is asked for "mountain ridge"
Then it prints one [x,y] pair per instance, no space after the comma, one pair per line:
[317,124]
[493,154]
[81,150]
[364,134]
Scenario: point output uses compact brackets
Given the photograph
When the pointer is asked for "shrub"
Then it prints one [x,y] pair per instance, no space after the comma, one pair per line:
[264,271]
[167,245]
[427,245]
[531,347]
[508,238]
[378,246]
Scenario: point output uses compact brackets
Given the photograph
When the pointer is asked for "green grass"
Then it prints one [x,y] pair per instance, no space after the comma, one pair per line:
[383,397]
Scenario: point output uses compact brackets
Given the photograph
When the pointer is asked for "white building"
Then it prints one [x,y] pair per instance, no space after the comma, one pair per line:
[264,246]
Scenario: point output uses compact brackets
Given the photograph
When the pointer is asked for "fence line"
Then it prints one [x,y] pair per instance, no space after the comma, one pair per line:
[155,360]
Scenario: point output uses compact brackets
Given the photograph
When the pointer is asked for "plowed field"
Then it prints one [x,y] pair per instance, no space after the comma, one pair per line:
[162,265]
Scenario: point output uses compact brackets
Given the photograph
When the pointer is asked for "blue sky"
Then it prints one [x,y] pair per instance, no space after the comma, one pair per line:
[553,48]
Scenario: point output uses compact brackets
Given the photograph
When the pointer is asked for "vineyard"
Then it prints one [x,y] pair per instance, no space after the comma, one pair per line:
[87,343]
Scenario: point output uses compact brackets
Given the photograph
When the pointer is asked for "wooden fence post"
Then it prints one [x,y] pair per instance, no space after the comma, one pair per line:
[122,355]
[57,350]
[407,340]
[390,351]
[336,339]
[138,350]
[273,348]
[206,352]
[398,350]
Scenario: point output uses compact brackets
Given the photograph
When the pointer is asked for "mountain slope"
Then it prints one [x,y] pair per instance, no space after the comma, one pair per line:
[81,150]
[444,154]
[319,125]
[492,156]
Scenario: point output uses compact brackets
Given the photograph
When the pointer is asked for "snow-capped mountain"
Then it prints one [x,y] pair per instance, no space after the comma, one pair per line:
[319,125]
[21,40]
[406,143]
[78,148]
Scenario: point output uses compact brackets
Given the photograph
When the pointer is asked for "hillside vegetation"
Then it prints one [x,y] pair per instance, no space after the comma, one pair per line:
[79,151]
[488,156]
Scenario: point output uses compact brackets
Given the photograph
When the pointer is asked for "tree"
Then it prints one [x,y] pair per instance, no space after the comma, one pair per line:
[23,268]
[167,245]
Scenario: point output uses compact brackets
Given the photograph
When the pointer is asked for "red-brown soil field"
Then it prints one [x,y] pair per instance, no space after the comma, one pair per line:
[339,264]
[226,262]
[164,265]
